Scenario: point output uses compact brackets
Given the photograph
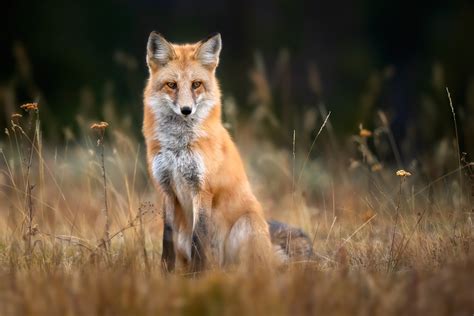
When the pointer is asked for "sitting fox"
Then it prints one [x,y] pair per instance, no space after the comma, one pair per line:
[211,217]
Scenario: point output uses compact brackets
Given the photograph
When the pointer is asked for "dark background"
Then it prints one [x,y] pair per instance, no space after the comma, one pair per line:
[70,53]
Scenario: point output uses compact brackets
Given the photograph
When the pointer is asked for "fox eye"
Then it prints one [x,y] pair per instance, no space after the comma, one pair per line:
[196,84]
[171,85]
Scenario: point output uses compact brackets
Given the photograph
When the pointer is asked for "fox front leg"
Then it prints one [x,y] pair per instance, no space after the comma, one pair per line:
[168,255]
[201,252]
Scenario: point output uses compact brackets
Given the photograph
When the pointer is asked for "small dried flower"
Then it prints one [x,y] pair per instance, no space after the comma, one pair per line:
[365,133]
[30,106]
[100,126]
[403,173]
[16,116]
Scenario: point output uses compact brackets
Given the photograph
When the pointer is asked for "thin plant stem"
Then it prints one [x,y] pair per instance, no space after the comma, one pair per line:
[457,146]
[395,225]
[311,147]
[104,179]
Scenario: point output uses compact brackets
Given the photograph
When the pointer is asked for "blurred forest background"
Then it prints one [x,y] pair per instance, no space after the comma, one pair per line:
[354,57]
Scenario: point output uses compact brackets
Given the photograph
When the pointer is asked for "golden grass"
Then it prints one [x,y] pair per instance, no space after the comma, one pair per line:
[383,244]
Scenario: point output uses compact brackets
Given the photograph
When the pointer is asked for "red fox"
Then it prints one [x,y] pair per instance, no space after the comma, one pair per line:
[211,217]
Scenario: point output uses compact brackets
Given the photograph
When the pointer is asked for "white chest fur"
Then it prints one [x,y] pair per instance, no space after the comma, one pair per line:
[177,167]
[179,172]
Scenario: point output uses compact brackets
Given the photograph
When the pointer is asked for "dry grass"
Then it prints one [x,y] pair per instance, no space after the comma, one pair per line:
[80,225]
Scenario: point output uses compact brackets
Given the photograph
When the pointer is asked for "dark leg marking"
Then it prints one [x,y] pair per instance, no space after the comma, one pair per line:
[200,243]
[168,255]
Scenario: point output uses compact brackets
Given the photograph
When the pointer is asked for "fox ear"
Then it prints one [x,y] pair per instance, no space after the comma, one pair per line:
[159,51]
[209,49]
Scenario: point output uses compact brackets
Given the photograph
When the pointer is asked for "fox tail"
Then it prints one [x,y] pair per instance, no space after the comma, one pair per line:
[290,243]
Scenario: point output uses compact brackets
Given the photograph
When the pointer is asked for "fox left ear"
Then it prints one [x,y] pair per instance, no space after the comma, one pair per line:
[159,51]
[209,50]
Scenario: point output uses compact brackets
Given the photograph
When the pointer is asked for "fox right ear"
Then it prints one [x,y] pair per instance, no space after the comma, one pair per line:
[209,50]
[159,51]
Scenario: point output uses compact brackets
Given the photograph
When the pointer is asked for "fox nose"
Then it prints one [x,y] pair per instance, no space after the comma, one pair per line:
[186,110]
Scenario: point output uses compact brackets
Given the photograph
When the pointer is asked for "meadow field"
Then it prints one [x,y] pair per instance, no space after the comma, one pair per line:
[81,227]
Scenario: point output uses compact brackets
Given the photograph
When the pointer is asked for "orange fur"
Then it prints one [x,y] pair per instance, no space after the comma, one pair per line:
[225,188]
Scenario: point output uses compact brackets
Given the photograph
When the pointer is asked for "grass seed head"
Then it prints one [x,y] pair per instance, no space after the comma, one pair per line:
[30,106]
[365,133]
[402,173]
[99,126]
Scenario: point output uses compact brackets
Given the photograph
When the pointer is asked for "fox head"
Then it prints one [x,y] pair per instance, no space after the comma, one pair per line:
[182,78]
